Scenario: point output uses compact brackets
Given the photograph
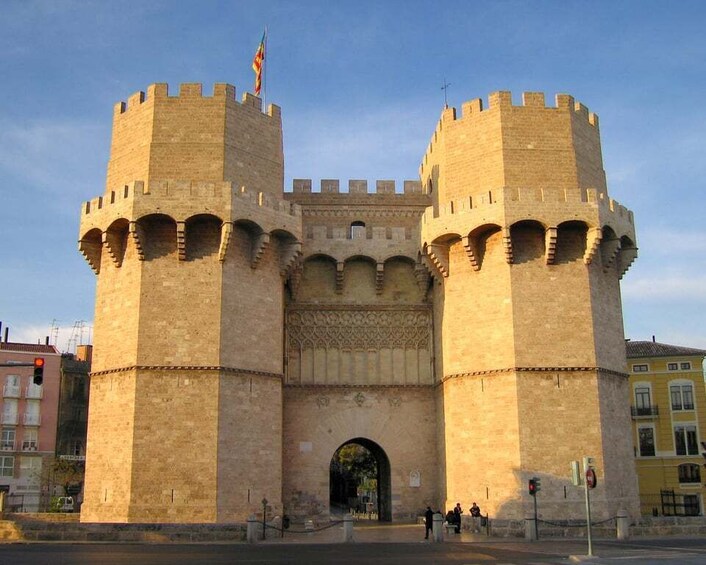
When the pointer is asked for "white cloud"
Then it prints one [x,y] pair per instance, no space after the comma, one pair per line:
[671,288]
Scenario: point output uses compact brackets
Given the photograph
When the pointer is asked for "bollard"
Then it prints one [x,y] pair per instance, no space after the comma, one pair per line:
[252,529]
[623,524]
[347,528]
[437,528]
[530,528]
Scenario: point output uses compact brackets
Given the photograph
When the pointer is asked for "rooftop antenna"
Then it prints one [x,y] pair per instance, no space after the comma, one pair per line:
[54,331]
[445,88]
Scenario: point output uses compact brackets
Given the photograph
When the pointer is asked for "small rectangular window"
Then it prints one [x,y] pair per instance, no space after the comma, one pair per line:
[672,366]
[643,368]
[685,440]
[647,442]
[686,366]
[7,466]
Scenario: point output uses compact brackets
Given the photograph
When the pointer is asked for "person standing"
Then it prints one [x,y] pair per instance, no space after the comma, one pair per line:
[475,514]
[457,517]
[428,522]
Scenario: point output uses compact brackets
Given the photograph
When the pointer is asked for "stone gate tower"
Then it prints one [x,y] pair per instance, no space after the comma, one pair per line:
[466,330]
[528,251]
[190,244]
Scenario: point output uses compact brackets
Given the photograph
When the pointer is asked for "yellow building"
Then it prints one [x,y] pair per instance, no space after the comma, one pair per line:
[668,407]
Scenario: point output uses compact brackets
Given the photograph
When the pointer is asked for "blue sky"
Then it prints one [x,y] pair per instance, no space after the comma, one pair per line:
[359,84]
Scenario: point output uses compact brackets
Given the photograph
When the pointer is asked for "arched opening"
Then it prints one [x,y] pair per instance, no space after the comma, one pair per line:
[359,480]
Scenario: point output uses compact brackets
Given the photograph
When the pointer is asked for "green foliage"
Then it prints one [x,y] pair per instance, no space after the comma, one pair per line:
[354,460]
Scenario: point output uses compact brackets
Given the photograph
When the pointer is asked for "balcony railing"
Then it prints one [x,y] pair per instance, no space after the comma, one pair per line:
[29,446]
[11,391]
[34,391]
[644,411]
[7,446]
[32,419]
[9,418]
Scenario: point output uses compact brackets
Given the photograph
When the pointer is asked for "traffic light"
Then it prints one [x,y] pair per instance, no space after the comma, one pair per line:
[38,377]
[534,486]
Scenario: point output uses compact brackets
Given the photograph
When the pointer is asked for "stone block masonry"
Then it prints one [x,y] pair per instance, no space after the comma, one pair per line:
[465,327]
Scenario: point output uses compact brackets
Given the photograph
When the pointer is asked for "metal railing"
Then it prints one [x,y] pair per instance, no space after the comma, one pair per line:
[644,411]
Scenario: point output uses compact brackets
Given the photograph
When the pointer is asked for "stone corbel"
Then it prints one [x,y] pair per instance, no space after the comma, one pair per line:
[379,277]
[181,240]
[439,257]
[226,232]
[471,253]
[339,277]
[290,254]
[112,242]
[550,244]
[593,241]
[91,251]
[507,245]
[626,258]
[138,237]
[610,250]
[259,244]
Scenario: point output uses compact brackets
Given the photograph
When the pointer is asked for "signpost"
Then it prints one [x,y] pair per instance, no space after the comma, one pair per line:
[590,483]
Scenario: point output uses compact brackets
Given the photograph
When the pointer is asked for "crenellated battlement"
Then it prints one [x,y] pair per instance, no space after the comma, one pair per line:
[182,200]
[356,187]
[190,92]
[505,207]
[533,125]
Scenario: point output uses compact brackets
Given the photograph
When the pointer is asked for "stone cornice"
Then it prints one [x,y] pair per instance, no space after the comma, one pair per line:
[536,370]
[200,368]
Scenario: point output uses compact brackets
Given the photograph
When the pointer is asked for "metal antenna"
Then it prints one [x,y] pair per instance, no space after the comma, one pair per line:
[445,88]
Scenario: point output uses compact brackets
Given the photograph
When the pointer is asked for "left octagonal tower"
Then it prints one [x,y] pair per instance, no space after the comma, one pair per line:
[191,244]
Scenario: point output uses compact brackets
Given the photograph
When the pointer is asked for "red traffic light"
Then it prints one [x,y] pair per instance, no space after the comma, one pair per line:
[532,487]
[38,376]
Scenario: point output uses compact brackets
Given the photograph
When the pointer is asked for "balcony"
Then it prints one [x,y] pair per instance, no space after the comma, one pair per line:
[34,391]
[11,391]
[29,446]
[32,419]
[7,446]
[9,418]
[644,411]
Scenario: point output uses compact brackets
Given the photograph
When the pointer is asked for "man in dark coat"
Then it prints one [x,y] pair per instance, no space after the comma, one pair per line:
[428,521]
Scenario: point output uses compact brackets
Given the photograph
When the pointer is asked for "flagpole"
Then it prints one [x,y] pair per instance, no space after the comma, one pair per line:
[264,74]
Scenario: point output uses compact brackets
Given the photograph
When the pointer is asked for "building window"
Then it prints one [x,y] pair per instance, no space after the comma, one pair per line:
[357,230]
[12,386]
[29,441]
[682,396]
[685,440]
[9,411]
[685,366]
[7,466]
[647,441]
[640,368]
[7,439]
[643,403]
[672,366]
[689,473]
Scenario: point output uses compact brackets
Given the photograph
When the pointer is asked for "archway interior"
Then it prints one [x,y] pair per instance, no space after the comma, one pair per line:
[359,481]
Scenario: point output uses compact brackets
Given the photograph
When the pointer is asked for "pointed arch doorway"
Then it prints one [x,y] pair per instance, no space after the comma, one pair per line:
[359,479]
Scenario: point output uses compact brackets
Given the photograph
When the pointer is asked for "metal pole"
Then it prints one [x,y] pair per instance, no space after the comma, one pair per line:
[586,466]
[536,525]
[264,518]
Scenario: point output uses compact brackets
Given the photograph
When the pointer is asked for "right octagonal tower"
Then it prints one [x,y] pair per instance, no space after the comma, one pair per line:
[527,251]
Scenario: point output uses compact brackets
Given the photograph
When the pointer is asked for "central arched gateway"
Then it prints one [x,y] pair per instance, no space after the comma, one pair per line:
[355,465]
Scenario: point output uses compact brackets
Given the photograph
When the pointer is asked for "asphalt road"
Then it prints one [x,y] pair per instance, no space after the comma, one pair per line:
[643,552]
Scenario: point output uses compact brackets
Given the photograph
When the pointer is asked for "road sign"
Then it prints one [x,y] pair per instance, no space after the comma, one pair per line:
[591,480]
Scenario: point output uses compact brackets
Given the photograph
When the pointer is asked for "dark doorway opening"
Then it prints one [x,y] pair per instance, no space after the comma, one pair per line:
[359,480]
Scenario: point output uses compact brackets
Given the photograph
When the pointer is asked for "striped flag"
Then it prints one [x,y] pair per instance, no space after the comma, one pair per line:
[258,63]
